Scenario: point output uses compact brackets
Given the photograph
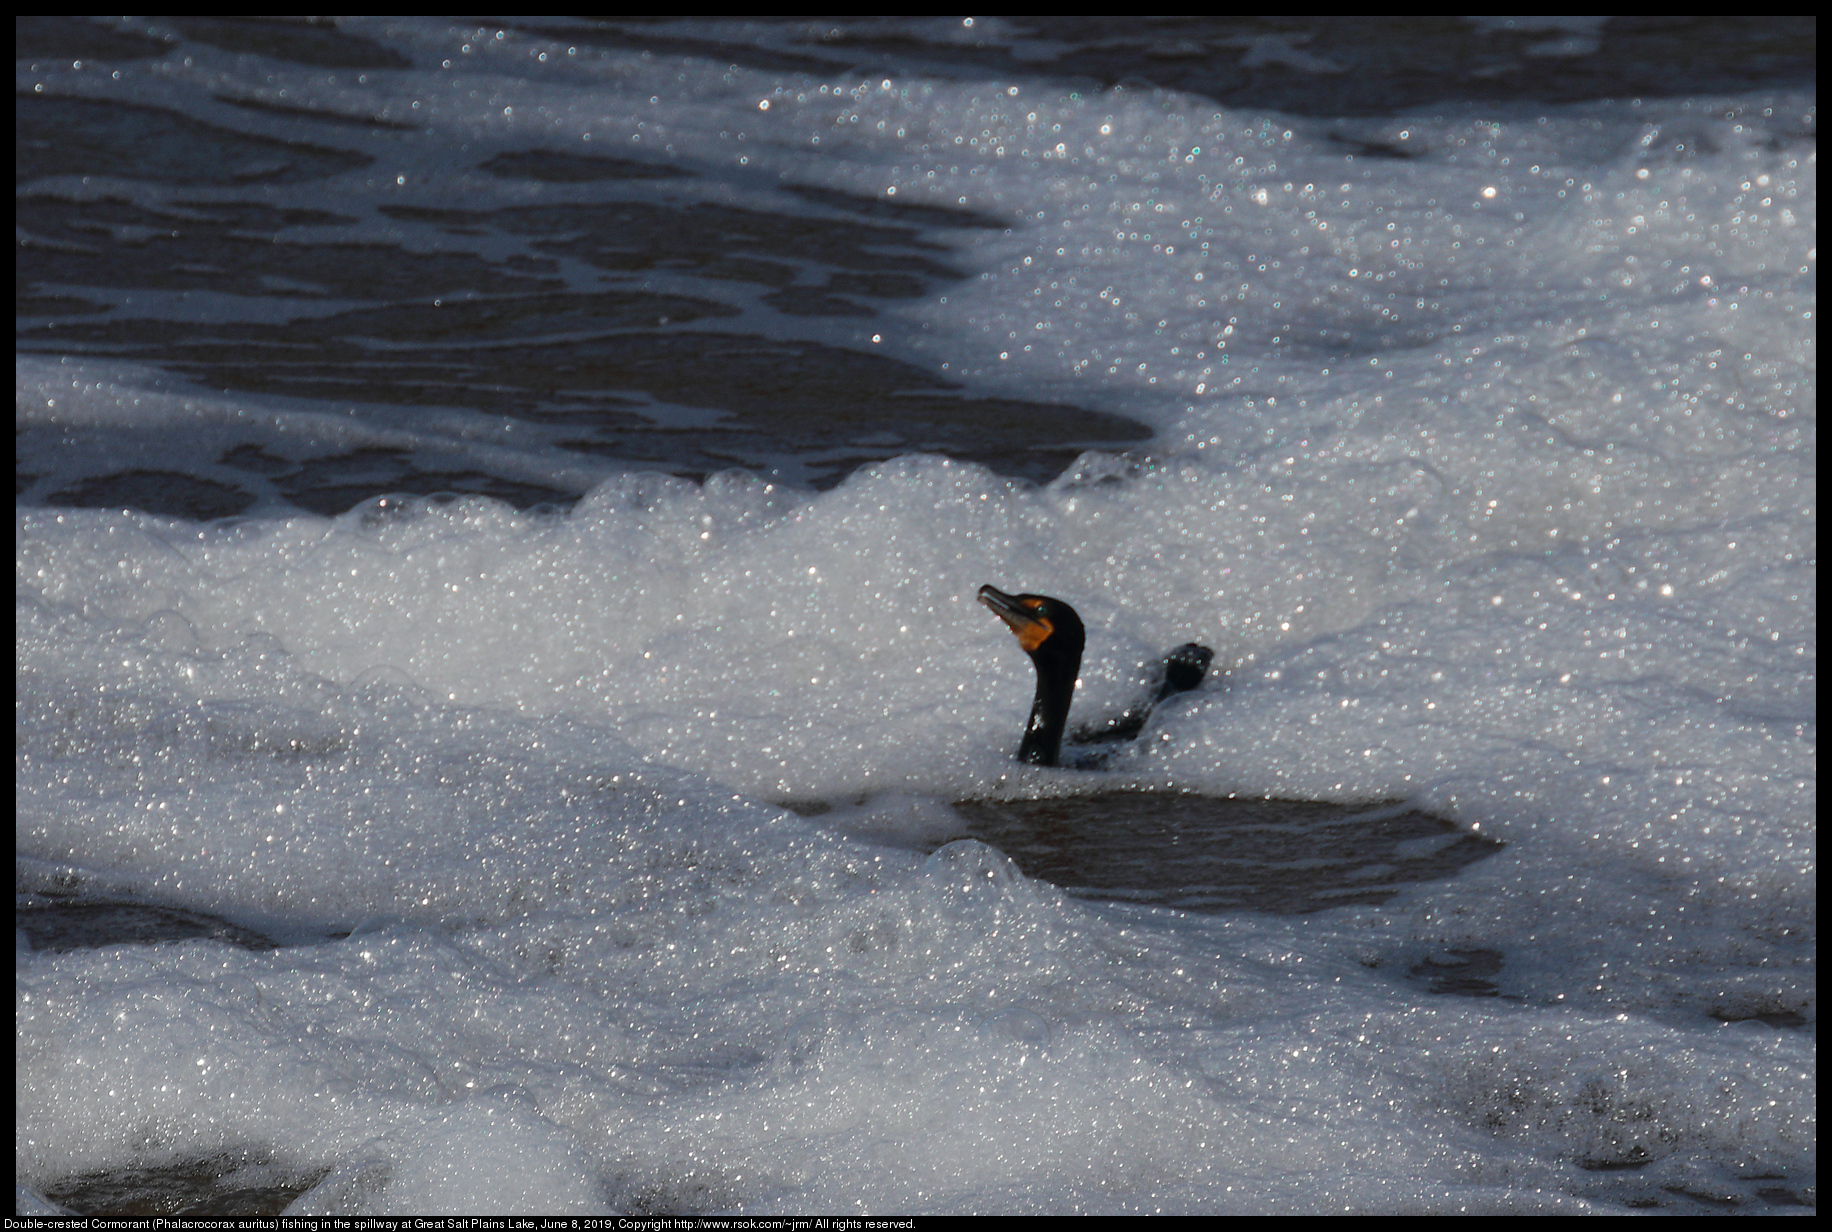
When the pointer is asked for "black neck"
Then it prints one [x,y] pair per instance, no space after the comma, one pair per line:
[1042,743]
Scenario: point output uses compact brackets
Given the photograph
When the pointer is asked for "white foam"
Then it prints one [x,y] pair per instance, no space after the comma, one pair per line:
[1538,556]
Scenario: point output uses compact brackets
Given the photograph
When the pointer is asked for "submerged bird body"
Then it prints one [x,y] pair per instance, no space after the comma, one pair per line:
[1051,633]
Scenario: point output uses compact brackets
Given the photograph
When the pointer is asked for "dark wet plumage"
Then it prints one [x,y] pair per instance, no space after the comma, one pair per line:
[1052,634]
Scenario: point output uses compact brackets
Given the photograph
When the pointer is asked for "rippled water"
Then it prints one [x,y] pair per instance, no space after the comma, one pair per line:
[293,221]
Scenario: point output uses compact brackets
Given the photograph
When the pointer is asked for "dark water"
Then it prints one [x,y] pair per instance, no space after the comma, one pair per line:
[1209,853]
[235,242]
[1329,66]
[78,926]
[232,1185]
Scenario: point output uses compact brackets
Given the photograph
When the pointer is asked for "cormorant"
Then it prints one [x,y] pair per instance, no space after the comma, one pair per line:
[1052,635]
